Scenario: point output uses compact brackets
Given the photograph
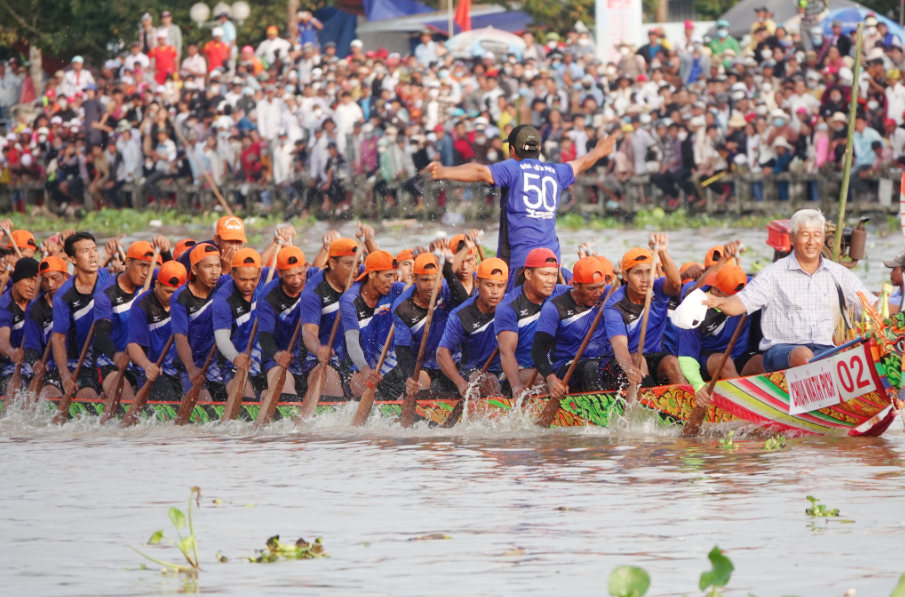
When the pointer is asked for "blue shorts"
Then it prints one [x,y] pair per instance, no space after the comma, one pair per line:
[776,358]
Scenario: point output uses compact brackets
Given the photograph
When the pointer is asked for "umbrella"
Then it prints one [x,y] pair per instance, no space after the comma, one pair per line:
[853,15]
[479,41]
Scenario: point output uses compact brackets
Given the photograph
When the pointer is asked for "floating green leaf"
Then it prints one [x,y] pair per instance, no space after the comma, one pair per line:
[155,538]
[899,591]
[777,442]
[720,572]
[727,444]
[629,581]
[177,518]
[820,510]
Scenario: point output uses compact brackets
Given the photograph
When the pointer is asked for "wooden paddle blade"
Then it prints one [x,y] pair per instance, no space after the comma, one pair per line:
[14,387]
[37,382]
[364,407]
[695,420]
[455,415]
[113,400]
[407,419]
[66,401]
[269,403]
[191,399]
[138,404]
[234,402]
[546,417]
[313,395]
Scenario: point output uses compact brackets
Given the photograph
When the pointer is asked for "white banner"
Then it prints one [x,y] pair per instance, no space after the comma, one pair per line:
[830,381]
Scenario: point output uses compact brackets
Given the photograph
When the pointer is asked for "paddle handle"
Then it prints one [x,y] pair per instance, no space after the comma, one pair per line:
[481,253]
[190,399]
[150,277]
[115,397]
[269,404]
[696,418]
[66,400]
[14,387]
[459,408]
[716,267]
[38,380]
[408,405]
[138,403]
[9,233]
[367,398]
[632,393]
[204,171]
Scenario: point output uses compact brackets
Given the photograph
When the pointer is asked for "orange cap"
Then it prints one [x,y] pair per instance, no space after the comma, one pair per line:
[493,269]
[273,29]
[247,257]
[587,270]
[201,251]
[422,262]
[52,264]
[636,256]
[685,267]
[343,247]
[289,258]
[730,279]
[23,239]
[714,255]
[143,251]
[231,228]
[172,274]
[609,273]
[457,240]
[183,246]
[405,255]
[378,261]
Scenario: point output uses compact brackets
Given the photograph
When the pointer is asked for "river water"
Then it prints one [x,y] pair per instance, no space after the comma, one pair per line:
[527,511]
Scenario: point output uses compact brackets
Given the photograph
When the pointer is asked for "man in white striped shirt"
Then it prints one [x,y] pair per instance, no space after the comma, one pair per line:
[801,297]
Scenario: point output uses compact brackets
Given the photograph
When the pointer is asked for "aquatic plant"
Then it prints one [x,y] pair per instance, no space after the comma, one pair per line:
[777,442]
[728,444]
[187,545]
[276,551]
[719,574]
[629,581]
[899,591]
[820,510]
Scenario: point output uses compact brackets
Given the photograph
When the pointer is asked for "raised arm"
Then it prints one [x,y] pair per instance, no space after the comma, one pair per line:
[465,173]
[603,148]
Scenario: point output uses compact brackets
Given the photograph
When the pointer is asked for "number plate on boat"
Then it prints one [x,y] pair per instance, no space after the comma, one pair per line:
[830,381]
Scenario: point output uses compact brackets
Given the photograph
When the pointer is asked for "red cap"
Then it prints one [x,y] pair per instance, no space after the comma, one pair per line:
[889,122]
[439,129]
[541,258]
[172,274]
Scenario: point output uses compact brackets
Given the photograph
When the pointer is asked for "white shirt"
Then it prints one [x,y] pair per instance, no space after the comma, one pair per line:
[74,82]
[282,162]
[345,116]
[268,48]
[895,102]
[133,59]
[195,65]
[270,116]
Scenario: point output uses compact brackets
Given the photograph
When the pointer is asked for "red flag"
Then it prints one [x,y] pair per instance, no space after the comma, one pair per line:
[463,15]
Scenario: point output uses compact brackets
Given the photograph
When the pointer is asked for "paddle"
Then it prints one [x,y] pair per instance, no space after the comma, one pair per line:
[37,381]
[632,393]
[408,405]
[459,408]
[367,399]
[14,386]
[111,405]
[269,404]
[9,233]
[552,407]
[313,395]
[234,401]
[200,164]
[696,418]
[138,403]
[190,399]
[716,267]
[63,409]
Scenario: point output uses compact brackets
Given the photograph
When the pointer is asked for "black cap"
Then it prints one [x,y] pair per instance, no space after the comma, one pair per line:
[25,268]
[524,138]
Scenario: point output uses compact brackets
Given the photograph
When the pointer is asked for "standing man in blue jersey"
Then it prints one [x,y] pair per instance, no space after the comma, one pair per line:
[192,321]
[469,330]
[516,317]
[530,193]
[13,305]
[561,329]
[112,306]
[235,306]
[149,331]
[366,317]
[623,315]
[39,324]
[73,316]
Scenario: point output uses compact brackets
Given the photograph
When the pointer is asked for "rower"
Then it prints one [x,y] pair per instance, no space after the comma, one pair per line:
[564,323]
[13,304]
[405,259]
[73,316]
[112,306]
[409,318]
[319,309]
[278,314]
[516,316]
[25,241]
[150,328]
[182,246]
[229,237]
[470,330]
[623,315]
[701,348]
[466,270]
[234,308]
[192,321]
[530,195]
[366,317]
[53,273]
[800,295]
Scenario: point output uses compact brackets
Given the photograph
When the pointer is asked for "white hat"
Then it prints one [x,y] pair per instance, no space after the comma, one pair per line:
[838,117]
[217,32]
[56,120]
[696,122]
[778,113]
[27,160]
[162,33]
[761,110]
[691,313]
[875,54]
[781,142]
[846,76]
[356,43]
[697,39]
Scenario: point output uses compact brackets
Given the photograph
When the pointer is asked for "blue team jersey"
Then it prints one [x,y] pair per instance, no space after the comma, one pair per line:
[150,327]
[623,318]
[320,307]
[114,305]
[528,203]
[73,315]
[569,323]
[232,312]
[12,317]
[38,328]
[193,317]
[471,331]
[516,313]
[373,324]
[409,320]
[278,314]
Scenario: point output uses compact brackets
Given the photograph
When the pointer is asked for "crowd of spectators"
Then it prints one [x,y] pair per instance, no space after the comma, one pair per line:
[292,113]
